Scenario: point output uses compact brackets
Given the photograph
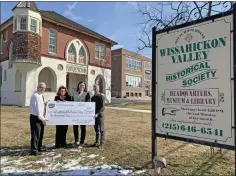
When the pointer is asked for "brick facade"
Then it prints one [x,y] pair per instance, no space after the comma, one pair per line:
[64,36]
[119,88]
[27,47]
[6,45]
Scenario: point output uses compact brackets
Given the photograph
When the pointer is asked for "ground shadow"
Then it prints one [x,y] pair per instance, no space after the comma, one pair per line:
[98,171]
[25,150]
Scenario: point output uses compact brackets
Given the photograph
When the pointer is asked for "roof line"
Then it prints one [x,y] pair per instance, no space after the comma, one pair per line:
[51,20]
[106,39]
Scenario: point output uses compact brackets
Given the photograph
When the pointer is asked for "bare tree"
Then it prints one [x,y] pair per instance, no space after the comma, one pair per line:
[168,14]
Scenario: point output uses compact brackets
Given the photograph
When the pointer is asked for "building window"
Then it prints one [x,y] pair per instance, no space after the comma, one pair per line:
[40,28]
[100,51]
[131,94]
[23,23]
[82,56]
[133,64]
[140,94]
[133,81]
[52,41]
[5,75]
[148,66]
[127,94]
[4,36]
[33,25]
[15,23]
[72,53]
[148,76]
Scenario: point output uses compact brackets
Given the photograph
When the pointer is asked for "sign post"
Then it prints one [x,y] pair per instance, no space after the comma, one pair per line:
[193,83]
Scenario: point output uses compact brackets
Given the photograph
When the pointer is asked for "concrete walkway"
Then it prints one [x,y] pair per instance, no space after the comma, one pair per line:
[129,109]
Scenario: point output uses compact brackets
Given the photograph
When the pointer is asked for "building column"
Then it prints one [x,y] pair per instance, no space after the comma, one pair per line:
[23,88]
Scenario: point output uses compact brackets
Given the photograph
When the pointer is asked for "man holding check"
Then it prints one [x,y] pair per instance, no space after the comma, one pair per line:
[99,116]
[37,119]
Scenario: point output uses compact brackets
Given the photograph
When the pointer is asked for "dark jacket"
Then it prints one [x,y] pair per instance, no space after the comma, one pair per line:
[68,98]
[99,103]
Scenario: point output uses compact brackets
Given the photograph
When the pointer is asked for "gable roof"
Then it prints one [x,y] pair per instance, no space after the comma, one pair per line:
[61,19]
[27,4]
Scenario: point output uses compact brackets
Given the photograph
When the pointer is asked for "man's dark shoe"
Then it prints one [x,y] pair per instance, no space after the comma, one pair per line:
[33,153]
[41,150]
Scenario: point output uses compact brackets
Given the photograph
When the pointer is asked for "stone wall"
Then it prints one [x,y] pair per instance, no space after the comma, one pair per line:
[27,47]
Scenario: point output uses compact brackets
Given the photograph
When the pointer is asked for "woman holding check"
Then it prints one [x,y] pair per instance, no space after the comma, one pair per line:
[61,130]
[81,95]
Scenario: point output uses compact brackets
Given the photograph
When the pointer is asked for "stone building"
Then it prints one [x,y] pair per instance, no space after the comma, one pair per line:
[45,46]
[131,74]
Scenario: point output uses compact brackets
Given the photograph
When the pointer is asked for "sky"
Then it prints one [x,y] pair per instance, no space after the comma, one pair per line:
[115,20]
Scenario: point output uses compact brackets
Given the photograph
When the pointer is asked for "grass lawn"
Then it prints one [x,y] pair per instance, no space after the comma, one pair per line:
[135,105]
[127,144]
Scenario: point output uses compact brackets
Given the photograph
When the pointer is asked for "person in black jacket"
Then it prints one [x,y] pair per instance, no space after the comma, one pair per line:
[99,116]
[61,130]
[81,95]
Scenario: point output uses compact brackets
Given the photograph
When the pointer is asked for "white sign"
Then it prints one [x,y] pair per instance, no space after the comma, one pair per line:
[194,87]
[78,69]
[70,113]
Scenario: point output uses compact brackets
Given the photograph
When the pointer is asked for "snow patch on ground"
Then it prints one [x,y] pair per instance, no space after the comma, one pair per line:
[92,156]
[51,163]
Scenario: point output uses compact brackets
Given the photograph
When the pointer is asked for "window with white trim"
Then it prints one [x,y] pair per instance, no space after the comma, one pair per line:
[133,81]
[72,53]
[15,23]
[133,64]
[100,51]
[33,25]
[148,65]
[148,76]
[40,28]
[52,41]
[4,36]
[23,23]
[82,56]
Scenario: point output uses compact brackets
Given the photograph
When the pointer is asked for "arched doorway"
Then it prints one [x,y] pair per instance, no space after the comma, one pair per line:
[18,79]
[101,82]
[147,91]
[48,76]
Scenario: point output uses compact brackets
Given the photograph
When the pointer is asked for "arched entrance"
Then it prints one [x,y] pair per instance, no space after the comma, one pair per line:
[48,76]
[18,79]
[147,91]
[101,82]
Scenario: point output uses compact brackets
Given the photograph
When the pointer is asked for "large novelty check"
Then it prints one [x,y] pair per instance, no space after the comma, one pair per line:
[70,113]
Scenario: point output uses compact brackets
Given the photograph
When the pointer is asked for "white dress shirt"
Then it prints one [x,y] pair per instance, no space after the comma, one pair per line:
[37,105]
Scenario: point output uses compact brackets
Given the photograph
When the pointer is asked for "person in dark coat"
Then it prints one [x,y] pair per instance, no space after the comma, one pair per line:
[99,116]
[61,130]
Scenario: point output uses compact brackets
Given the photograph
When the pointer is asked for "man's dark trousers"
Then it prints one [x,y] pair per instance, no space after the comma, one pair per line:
[37,131]
[99,128]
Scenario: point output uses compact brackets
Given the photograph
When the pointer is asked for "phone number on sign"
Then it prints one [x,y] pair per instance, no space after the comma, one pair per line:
[192,129]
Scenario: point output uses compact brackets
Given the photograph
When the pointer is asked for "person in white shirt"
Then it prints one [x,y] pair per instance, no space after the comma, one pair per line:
[37,119]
